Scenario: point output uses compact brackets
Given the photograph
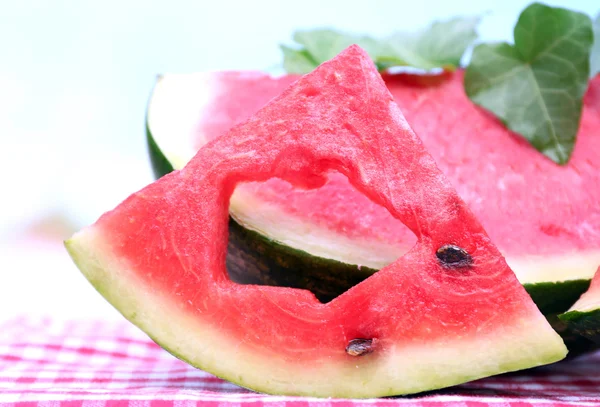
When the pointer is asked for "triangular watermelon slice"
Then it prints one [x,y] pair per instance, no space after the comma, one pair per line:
[448,311]
[583,318]
[544,218]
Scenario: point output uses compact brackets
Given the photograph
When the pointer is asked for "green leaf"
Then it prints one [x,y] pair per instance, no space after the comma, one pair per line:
[297,61]
[536,86]
[324,44]
[441,45]
[595,57]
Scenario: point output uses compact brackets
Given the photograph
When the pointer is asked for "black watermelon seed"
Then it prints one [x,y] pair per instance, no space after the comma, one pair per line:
[453,256]
[359,347]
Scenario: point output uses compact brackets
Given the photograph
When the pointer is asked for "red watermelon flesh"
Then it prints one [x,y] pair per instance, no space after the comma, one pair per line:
[544,218]
[159,257]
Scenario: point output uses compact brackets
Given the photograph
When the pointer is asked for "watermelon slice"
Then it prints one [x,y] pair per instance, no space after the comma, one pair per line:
[329,239]
[447,311]
[584,316]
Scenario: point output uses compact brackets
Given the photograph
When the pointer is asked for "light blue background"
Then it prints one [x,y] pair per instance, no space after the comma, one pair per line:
[75,77]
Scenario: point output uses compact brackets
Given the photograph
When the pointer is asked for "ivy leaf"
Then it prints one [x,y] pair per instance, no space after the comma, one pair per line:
[536,86]
[595,58]
[440,45]
[324,44]
[318,46]
[297,61]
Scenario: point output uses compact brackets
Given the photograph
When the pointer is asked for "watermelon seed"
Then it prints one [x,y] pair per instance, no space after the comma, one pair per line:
[359,347]
[453,256]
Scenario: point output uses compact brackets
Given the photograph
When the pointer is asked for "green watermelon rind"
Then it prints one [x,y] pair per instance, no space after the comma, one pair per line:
[584,323]
[577,344]
[253,258]
[554,297]
[250,252]
[160,164]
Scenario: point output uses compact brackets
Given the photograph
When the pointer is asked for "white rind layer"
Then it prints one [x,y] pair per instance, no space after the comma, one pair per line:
[397,370]
[586,304]
[174,108]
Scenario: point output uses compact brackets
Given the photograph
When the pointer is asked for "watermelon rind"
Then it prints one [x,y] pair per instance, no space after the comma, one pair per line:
[584,323]
[253,258]
[205,348]
[160,165]
[583,318]
[555,297]
[256,256]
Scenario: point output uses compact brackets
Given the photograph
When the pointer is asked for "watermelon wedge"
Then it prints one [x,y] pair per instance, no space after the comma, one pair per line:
[584,316]
[447,311]
[544,218]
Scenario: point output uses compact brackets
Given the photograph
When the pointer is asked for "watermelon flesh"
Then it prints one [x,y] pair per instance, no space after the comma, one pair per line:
[423,322]
[544,218]
[583,318]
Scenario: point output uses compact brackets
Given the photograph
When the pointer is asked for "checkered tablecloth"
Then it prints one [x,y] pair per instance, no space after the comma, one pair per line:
[48,363]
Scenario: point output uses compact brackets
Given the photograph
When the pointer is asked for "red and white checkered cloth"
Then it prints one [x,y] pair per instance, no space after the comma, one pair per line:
[46,363]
